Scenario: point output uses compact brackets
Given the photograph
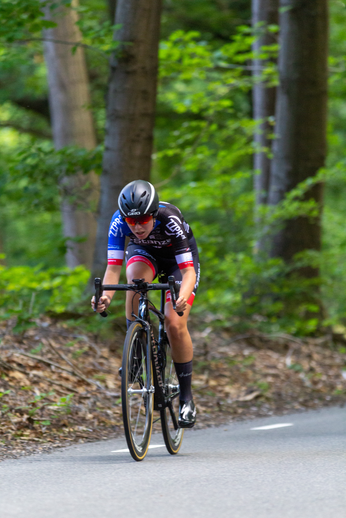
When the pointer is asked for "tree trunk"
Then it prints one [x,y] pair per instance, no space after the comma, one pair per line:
[72,124]
[301,107]
[112,5]
[130,110]
[266,11]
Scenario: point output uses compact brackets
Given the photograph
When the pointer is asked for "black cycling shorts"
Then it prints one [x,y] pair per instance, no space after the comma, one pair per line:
[162,263]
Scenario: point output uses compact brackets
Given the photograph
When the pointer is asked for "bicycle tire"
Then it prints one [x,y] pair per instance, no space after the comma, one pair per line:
[137,407]
[172,436]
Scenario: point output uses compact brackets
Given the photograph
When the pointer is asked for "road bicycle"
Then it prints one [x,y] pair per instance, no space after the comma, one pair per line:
[148,377]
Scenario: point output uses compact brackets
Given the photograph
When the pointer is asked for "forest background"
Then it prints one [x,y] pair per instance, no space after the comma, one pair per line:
[202,160]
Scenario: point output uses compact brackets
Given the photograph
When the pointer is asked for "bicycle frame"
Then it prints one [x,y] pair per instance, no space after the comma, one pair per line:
[160,399]
[144,309]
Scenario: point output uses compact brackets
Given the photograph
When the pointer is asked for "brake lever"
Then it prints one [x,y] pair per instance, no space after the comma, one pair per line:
[172,289]
[98,292]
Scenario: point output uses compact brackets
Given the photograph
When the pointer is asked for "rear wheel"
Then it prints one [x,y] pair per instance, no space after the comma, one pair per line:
[172,434]
[137,401]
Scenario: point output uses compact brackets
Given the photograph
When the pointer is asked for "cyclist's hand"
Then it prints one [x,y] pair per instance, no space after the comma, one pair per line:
[103,304]
[181,304]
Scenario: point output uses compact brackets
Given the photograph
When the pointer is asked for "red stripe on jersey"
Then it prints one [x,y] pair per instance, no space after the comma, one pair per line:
[187,264]
[115,261]
[141,259]
[191,299]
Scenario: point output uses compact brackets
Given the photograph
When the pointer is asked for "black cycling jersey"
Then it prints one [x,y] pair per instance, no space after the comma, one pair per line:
[170,232]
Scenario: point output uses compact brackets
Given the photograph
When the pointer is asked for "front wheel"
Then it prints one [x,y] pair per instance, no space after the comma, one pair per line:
[172,434]
[137,401]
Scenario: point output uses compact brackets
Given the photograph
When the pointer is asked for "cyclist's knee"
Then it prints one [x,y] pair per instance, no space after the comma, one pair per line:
[176,329]
[139,271]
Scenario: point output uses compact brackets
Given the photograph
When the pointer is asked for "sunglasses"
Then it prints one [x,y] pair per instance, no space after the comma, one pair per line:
[142,220]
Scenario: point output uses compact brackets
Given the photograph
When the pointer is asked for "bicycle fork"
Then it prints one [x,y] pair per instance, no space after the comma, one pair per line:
[149,388]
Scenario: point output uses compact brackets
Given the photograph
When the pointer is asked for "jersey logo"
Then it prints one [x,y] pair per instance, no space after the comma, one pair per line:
[116,227]
[152,242]
[174,227]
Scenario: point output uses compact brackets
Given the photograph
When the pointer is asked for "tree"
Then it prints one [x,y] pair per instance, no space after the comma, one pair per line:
[264,14]
[131,104]
[215,20]
[72,124]
[112,5]
[301,109]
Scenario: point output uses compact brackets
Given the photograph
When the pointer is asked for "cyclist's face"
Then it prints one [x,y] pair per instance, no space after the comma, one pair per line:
[142,230]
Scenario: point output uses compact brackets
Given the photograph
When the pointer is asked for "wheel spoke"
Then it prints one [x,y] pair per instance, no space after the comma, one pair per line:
[138,414]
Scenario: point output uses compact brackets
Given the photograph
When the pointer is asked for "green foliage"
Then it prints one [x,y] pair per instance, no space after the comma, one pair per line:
[63,405]
[97,34]
[206,92]
[202,162]
[35,176]
[263,386]
[297,367]
[36,404]
[31,191]
[28,292]
[37,350]
[20,18]
[235,286]
[210,155]
[216,21]
[334,213]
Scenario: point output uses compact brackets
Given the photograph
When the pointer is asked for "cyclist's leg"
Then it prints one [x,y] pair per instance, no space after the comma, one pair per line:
[140,264]
[178,334]
[182,353]
[176,326]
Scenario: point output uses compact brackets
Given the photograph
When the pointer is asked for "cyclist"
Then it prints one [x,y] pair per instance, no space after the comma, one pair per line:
[161,242]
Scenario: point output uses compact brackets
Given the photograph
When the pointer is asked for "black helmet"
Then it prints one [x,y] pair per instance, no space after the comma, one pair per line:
[137,199]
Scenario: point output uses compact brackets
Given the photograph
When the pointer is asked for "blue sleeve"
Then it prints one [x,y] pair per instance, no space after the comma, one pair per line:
[118,230]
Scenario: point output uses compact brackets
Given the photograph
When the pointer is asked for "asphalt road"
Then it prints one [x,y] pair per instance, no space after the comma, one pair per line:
[294,470]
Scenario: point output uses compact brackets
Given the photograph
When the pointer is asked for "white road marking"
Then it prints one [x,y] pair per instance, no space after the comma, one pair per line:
[150,448]
[271,426]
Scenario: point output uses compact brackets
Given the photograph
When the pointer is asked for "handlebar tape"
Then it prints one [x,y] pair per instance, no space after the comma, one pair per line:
[98,292]
[174,289]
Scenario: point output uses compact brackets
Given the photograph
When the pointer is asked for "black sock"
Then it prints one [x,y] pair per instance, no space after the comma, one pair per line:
[184,374]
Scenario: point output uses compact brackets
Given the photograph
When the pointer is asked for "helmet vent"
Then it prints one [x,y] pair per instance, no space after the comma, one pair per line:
[139,198]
